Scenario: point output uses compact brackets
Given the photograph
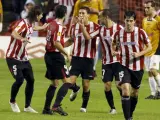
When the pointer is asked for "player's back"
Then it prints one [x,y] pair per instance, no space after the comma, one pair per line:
[152,28]
[55,32]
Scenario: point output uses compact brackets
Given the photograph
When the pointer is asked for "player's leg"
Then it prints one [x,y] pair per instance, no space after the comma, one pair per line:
[87,75]
[50,75]
[152,82]
[28,75]
[49,96]
[154,70]
[16,71]
[136,78]
[74,73]
[63,73]
[85,94]
[125,79]
[107,78]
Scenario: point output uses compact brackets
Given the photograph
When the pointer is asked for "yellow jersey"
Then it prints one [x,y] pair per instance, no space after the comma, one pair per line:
[96,4]
[152,28]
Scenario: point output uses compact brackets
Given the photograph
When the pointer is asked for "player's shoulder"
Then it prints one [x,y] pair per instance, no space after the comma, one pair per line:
[157,18]
[144,19]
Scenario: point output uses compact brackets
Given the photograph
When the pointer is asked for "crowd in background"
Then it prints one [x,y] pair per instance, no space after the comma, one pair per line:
[12,10]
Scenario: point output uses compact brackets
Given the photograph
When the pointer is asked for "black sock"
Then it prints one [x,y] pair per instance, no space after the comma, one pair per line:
[49,96]
[61,94]
[85,97]
[134,101]
[74,87]
[126,106]
[28,93]
[109,97]
[14,90]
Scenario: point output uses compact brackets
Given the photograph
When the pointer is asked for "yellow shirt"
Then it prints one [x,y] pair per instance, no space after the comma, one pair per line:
[152,28]
[96,4]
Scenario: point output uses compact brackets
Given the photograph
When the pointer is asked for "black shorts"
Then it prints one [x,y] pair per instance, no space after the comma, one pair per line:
[83,66]
[109,71]
[129,76]
[56,67]
[20,70]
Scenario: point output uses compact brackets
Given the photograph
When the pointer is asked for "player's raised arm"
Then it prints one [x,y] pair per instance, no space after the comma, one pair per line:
[36,28]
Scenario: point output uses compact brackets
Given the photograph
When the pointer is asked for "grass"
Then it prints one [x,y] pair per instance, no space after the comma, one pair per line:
[97,108]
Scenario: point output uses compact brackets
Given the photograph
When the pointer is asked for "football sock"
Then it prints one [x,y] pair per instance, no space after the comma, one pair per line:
[109,97]
[85,98]
[61,94]
[49,96]
[126,106]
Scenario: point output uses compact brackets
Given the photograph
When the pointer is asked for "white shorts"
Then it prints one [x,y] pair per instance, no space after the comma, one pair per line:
[152,62]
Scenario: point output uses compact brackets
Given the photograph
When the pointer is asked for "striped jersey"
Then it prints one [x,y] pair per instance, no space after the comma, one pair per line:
[129,42]
[17,48]
[82,47]
[106,37]
[55,32]
[66,2]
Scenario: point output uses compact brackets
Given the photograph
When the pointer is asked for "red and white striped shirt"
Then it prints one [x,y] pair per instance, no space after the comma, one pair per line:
[17,48]
[128,43]
[66,2]
[82,47]
[55,32]
[106,35]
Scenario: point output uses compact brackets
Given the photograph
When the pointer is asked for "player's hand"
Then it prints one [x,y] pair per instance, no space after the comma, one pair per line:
[135,54]
[115,53]
[25,40]
[81,21]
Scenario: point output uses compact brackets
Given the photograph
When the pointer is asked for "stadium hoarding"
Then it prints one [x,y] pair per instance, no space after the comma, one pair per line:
[35,49]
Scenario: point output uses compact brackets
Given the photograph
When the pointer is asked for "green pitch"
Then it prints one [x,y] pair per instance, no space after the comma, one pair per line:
[97,108]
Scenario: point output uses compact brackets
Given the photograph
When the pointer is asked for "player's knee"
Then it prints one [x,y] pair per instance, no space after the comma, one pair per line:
[19,81]
[30,81]
[107,86]
[153,71]
[134,93]
[125,90]
[85,87]
[55,83]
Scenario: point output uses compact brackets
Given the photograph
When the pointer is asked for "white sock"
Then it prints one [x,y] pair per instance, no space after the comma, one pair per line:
[158,81]
[153,85]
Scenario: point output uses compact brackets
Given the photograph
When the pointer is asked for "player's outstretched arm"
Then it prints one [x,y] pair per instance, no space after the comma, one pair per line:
[61,49]
[37,28]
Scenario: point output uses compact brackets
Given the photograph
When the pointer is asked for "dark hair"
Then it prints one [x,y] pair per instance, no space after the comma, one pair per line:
[32,15]
[130,14]
[107,13]
[85,8]
[60,11]
[153,4]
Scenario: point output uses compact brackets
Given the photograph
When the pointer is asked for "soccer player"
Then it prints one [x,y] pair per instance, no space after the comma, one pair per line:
[84,33]
[55,62]
[109,63]
[95,7]
[17,58]
[130,42]
[151,24]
